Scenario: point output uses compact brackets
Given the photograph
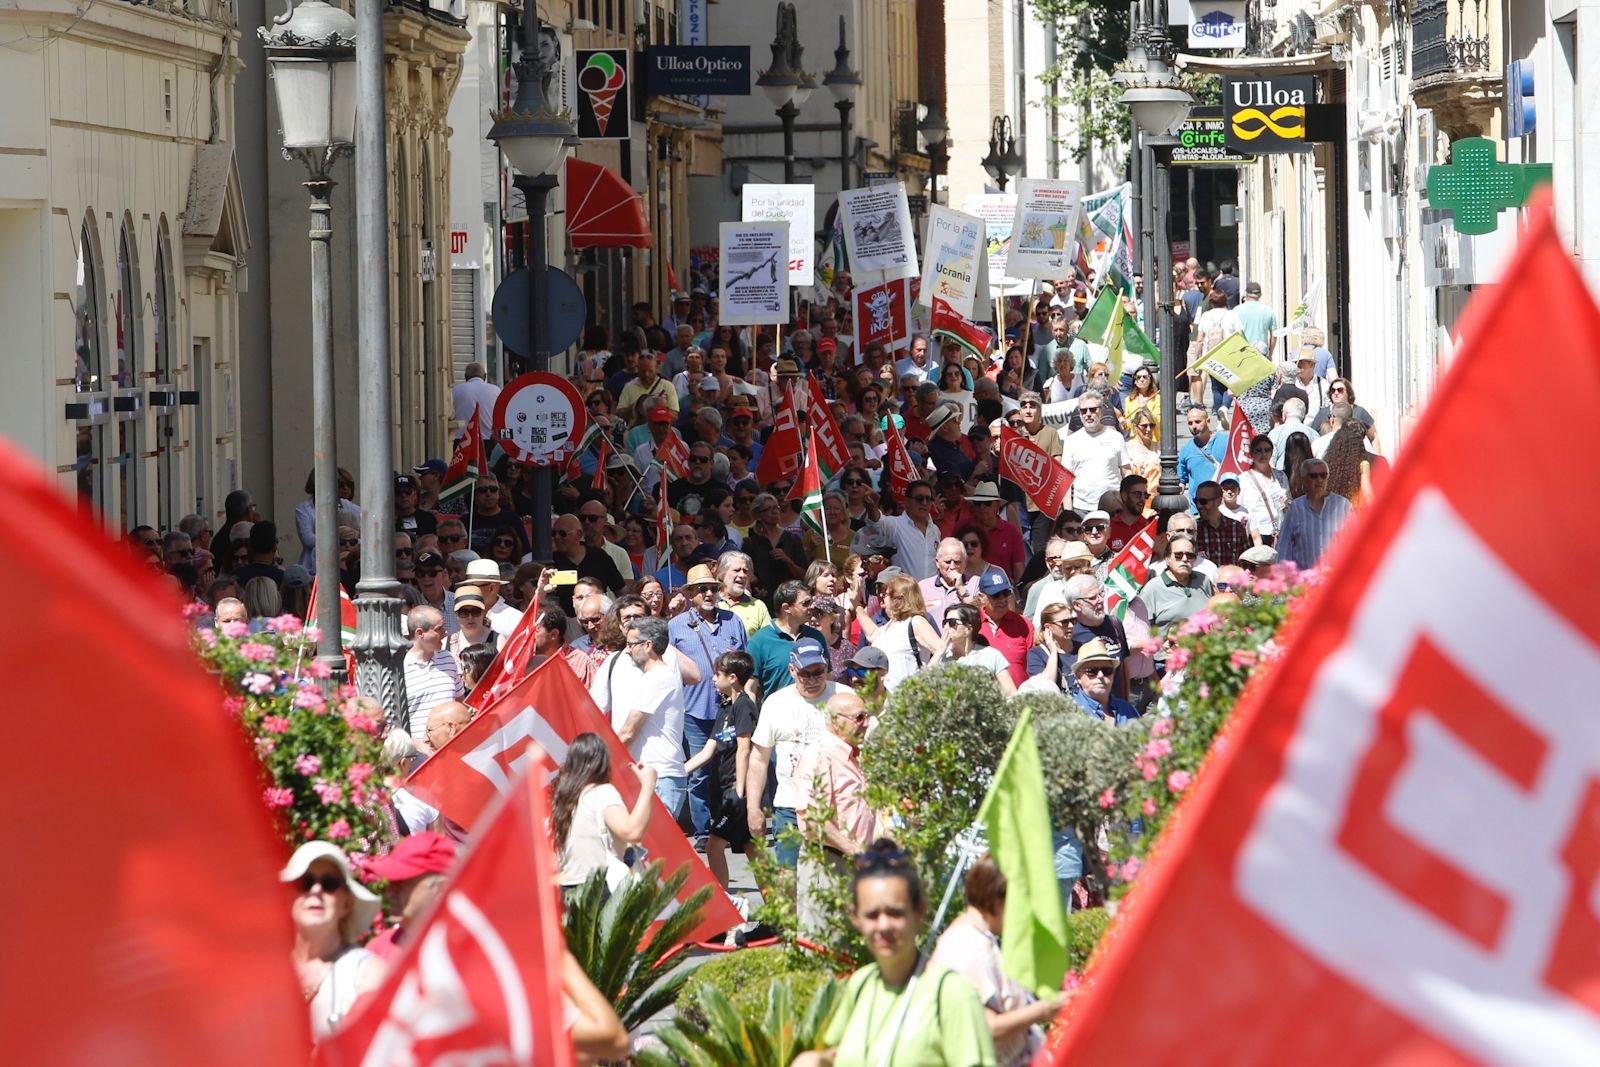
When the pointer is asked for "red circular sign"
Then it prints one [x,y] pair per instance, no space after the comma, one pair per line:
[540,419]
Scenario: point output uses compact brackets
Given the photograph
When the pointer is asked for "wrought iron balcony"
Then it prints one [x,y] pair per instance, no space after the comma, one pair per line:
[1442,45]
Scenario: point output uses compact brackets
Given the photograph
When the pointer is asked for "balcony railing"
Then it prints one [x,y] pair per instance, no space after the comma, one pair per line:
[1446,41]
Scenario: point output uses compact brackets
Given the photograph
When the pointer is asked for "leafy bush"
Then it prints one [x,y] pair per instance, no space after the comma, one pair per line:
[770,1038]
[1085,928]
[746,976]
[612,941]
[320,753]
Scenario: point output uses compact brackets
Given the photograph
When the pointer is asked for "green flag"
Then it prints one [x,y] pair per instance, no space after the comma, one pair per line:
[1096,328]
[1236,363]
[1016,817]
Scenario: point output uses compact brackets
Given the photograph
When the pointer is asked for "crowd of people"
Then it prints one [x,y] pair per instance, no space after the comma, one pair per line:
[741,665]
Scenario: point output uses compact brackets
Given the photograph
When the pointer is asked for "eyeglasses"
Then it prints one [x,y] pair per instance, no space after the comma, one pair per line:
[632,618]
[855,484]
[1317,475]
[1001,595]
[1206,499]
[348,542]
[444,539]
[1186,556]
[328,883]
[504,542]
[1088,411]
[920,499]
[699,459]
[1264,450]
[971,545]
[590,518]
[634,644]
[814,674]
[1098,669]
[953,620]
[488,489]
[406,490]
[1095,527]
[1071,530]
[469,613]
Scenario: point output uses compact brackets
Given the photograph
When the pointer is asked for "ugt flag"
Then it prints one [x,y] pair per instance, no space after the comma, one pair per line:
[551,707]
[1396,858]
[1036,471]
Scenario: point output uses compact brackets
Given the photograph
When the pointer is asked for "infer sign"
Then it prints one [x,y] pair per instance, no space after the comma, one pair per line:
[1267,115]
[1203,141]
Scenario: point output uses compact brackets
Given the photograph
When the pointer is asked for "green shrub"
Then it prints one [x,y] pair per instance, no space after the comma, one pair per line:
[746,976]
[1084,930]
[771,1036]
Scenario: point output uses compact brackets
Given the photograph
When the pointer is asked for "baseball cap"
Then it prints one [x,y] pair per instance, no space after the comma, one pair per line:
[421,853]
[295,576]
[1253,288]
[889,572]
[993,582]
[807,653]
[661,414]
[870,658]
[827,344]
[405,481]
[1096,516]
[436,466]
[876,545]
[428,559]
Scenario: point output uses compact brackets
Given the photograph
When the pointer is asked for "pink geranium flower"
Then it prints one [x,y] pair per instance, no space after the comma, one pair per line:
[308,763]
[278,798]
[234,630]
[1108,798]
[1149,806]
[285,624]
[258,683]
[1178,781]
[1241,658]
[275,724]
[338,830]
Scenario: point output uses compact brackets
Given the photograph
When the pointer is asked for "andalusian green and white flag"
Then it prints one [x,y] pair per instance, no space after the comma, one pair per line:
[808,488]
[1129,569]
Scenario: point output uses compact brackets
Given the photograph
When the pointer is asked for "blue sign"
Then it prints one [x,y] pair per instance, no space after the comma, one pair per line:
[691,70]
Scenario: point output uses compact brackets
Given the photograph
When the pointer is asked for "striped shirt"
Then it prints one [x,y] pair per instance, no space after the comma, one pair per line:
[428,684]
[1306,532]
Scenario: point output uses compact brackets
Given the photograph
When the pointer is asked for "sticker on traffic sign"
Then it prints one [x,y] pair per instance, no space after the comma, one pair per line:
[539,419]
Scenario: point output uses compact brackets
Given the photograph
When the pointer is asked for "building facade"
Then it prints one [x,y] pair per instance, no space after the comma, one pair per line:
[123,243]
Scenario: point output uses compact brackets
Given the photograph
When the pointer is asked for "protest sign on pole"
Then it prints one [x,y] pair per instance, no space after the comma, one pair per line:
[953,254]
[754,258]
[1044,228]
[877,230]
[881,316]
[999,214]
[796,205]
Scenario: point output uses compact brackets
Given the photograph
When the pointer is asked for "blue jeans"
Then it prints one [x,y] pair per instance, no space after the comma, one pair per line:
[671,792]
[696,732]
[787,852]
[1069,864]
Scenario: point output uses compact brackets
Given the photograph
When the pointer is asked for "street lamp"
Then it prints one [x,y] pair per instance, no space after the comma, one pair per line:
[934,132]
[1151,93]
[535,138]
[785,83]
[1003,160]
[311,53]
[843,82]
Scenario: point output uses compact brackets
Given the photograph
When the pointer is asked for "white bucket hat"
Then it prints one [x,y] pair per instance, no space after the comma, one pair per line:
[482,571]
[365,902]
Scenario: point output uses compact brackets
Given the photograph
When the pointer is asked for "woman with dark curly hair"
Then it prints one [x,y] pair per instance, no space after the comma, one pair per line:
[1349,465]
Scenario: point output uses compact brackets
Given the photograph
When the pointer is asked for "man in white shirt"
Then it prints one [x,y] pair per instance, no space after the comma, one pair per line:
[1097,458]
[475,391]
[916,364]
[647,710]
[915,535]
[431,674]
[790,722]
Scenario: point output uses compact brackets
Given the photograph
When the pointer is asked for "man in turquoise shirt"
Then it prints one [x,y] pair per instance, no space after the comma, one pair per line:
[1257,320]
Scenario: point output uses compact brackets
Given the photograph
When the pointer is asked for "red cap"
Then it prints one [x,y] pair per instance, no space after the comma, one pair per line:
[827,344]
[422,853]
[661,414]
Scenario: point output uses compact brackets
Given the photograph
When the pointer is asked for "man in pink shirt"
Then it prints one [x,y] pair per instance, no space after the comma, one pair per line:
[828,776]
[1006,548]
[949,586]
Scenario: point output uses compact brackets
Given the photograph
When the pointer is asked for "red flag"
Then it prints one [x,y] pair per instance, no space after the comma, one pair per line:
[508,666]
[144,921]
[597,481]
[780,459]
[1034,470]
[951,324]
[808,488]
[1237,459]
[902,472]
[672,278]
[551,707]
[347,613]
[466,462]
[663,528]
[672,455]
[481,980]
[1394,859]
[880,314]
[825,433]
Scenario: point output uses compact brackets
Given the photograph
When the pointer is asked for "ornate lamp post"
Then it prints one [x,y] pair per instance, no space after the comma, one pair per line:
[535,139]
[1158,104]
[843,82]
[1003,161]
[934,132]
[785,83]
[311,53]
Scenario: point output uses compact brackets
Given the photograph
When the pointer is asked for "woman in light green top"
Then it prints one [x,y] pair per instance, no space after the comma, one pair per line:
[900,1011]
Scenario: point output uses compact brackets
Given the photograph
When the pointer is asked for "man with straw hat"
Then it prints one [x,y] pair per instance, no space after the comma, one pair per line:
[703,633]
[1092,675]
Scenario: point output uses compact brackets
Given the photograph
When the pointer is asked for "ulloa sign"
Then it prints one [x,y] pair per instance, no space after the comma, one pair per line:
[1262,115]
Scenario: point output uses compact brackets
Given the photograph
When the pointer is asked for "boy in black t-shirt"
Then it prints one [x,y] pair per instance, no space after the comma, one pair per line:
[728,752]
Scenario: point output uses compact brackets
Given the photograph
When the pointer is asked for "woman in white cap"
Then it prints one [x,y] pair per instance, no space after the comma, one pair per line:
[331,912]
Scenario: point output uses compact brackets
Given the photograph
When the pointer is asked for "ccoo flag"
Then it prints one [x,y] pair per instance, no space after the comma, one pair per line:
[1016,817]
[1324,897]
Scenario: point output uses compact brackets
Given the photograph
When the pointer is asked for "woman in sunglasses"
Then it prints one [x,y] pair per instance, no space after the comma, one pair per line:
[962,642]
[331,912]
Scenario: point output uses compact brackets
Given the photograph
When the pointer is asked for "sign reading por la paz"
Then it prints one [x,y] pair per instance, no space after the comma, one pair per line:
[1267,115]
[796,205]
[954,254]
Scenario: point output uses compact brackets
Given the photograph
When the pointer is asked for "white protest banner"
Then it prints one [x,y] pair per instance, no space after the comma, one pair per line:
[877,230]
[953,247]
[1046,223]
[755,280]
[796,205]
[999,214]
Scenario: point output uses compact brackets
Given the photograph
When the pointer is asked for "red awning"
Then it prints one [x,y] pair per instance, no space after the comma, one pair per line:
[603,211]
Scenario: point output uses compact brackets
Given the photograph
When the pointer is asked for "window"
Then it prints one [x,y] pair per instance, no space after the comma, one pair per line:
[89,366]
[129,304]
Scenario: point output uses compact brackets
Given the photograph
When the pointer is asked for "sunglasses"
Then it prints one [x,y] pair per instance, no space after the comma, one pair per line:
[1189,556]
[920,499]
[448,539]
[1206,499]
[1318,476]
[1088,411]
[328,883]
[952,621]
[348,542]
[1095,527]
[814,674]
[469,613]
[1102,671]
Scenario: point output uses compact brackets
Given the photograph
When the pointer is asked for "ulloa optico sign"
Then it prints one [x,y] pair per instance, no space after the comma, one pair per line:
[1263,115]
[698,70]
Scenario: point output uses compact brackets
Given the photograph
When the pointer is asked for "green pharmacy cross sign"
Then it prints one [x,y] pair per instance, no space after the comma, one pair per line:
[1475,185]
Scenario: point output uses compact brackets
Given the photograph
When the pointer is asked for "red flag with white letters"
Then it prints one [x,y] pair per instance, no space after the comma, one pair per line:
[1034,470]
[780,458]
[1237,458]
[551,707]
[1395,860]
[481,979]
[142,915]
[902,472]
[508,666]
[826,437]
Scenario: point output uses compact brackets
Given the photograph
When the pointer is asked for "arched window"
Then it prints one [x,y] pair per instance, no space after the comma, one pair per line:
[168,424]
[130,302]
[89,365]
